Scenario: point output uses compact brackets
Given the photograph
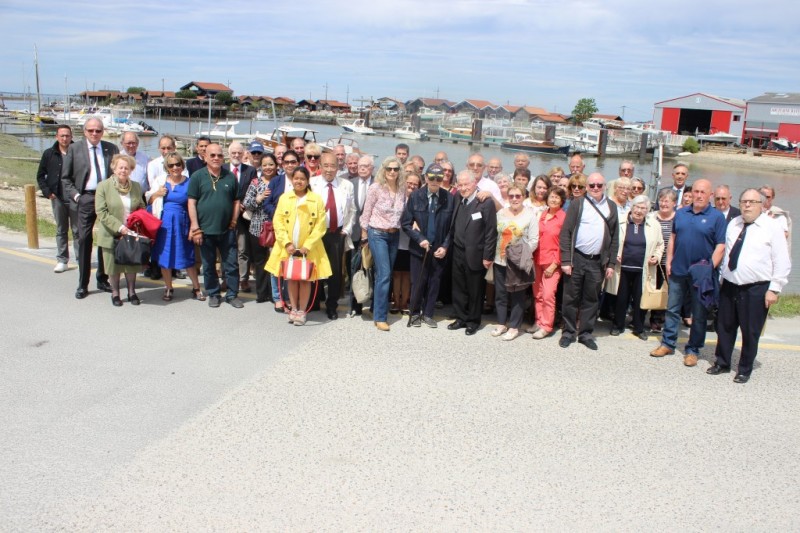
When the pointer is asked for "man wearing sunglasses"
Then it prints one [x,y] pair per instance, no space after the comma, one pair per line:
[589,241]
[426,221]
[86,164]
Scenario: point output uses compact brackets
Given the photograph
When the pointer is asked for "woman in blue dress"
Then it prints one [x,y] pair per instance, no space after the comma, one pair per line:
[172,248]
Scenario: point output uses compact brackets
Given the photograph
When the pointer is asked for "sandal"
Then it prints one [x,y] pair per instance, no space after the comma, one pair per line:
[279,308]
[197,294]
[167,295]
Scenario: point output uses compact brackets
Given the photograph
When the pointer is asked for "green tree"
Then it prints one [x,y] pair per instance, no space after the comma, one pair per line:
[186,94]
[584,109]
[136,90]
[225,97]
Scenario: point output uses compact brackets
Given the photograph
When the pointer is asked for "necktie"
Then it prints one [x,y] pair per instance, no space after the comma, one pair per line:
[97,165]
[331,207]
[236,172]
[736,249]
[431,232]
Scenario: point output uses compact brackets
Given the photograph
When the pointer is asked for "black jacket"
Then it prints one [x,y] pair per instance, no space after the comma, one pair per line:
[417,211]
[479,232]
[49,174]
[569,233]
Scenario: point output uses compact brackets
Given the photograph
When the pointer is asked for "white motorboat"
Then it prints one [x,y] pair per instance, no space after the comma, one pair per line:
[225,129]
[350,145]
[719,137]
[587,141]
[426,113]
[407,132]
[358,126]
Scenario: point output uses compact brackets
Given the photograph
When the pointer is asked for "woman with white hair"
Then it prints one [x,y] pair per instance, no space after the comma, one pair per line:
[640,249]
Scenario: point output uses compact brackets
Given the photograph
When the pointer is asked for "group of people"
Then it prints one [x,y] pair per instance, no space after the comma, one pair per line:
[573,245]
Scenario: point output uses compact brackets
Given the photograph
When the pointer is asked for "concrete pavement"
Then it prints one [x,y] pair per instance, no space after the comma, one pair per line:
[186,418]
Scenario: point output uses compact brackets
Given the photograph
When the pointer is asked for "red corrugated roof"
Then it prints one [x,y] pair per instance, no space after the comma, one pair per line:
[209,86]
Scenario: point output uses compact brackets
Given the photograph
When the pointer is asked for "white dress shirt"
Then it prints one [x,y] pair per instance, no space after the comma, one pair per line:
[591,226]
[139,173]
[91,183]
[343,195]
[764,255]
[486,184]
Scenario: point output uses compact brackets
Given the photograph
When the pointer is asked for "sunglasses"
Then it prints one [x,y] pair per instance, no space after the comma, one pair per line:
[313,156]
[637,188]
[174,165]
[595,185]
[214,156]
[94,131]
[392,169]
[435,177]
[579,187]
[513,196]
[290,161]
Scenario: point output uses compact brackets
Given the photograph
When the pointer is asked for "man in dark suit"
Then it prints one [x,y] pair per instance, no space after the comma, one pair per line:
[473,237]
[244,174]
[87,163]
[199,161]
[722,201]
[361,185]
[680,175]
[426,221]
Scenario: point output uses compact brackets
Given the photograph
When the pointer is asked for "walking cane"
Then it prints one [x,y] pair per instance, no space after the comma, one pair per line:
[415,293]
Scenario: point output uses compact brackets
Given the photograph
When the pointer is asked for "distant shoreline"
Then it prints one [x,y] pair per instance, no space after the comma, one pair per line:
[746,160]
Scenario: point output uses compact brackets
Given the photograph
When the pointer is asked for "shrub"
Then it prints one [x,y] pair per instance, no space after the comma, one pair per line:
[691,145]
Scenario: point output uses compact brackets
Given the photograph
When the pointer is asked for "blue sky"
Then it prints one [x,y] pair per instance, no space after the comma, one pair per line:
[523,52]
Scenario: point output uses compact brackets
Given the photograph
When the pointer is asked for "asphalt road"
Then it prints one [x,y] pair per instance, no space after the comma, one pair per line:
[183,418]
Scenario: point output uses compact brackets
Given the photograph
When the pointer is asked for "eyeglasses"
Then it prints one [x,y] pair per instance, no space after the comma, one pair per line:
[748,202]
[174,165]
[578,187]
[214,156]
[94,131]
[313,156]
[475,165]
[392,169]
[638,189]
[595,185]
[290,161]
[513,196]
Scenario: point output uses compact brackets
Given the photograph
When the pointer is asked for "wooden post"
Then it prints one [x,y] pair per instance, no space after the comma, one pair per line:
[30,217]
[602,140]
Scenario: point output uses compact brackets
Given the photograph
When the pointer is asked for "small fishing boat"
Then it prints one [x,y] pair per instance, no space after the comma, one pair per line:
[358,126]
[225,129]
[525,143]
[407,132]
[285,135]
[350,145]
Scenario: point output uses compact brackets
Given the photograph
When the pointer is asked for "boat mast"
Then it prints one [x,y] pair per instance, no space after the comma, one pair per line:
[38,92]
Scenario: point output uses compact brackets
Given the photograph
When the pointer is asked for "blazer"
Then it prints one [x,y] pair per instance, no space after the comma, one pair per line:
[277,186]
[569,233]
[110,212]
[415,220]
[77,168]
[654,246]
[356,233]
[247,174]
[733,212]
[49,174]
[194,164]
[479,234]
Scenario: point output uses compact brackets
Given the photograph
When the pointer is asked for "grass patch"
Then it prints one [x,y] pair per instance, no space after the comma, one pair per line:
[15,171]
[788,306]
[16,222]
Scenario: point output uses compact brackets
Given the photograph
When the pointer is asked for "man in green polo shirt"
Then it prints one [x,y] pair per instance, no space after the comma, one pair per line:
[213,211]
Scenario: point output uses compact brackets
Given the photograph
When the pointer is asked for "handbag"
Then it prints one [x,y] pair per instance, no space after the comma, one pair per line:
[366,257]
[132,249]
[653,298]
[266,238]
[297,268]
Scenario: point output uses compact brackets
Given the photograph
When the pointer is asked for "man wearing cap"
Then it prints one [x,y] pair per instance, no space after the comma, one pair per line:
[426,221]
[244,174]
[256,150]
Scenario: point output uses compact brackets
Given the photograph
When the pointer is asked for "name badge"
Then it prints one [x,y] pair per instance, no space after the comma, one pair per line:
[477,216]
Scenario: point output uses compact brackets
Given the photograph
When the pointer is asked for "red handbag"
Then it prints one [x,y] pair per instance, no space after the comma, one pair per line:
[297,268]
[266,238]
[144,223]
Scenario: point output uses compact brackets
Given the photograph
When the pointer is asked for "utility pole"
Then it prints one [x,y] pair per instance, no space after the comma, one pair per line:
[326,91]
[623,113]
[162,87]
[347,100]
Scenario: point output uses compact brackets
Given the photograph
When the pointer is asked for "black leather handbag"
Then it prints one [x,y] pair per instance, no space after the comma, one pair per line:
[132,250]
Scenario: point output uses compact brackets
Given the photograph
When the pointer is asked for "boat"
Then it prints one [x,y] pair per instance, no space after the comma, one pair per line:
[719,137]
[350,145]
[407,132]
[285,135]
[491,134]
[358,126]
[782,143]
[523,142]
[426,113]
[225,129]
[587,141]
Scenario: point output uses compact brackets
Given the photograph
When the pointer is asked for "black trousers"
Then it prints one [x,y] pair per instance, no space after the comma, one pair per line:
[354,305]
[334,248]
[424,293]
[740,307]
[259,258]
[629,291]
[468,289]
[86,219]
[581,292]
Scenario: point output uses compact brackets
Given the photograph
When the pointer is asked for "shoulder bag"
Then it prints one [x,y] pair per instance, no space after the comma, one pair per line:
[132,249]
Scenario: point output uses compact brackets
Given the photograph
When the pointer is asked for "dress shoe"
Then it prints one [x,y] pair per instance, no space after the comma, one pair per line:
[382,326]
[133,299]
[642,335]
[244,286]
[564,342]
[103,286]
[589,343]
[716,370]
[214,301]
[458,324]
[690,359]
[430,322]
[81,293]
[661,351]
[741,378]
[116,302]
[236,303]
[615,332]
[471,330]
[332,315]
[415,321]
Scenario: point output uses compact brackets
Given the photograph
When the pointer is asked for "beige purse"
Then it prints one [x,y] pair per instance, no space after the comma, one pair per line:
[653,298]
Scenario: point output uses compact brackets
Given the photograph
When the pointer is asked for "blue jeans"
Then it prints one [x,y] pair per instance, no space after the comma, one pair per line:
[384,250]
[680,291]
[226,244]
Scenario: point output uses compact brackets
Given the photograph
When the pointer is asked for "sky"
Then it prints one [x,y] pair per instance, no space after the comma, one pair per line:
[627,55]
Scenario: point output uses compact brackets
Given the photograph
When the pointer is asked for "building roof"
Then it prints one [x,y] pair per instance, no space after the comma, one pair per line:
[102,94]
[479,104]
[607,117]
[549,117]
[776,98]
[333,103]
[736,102]
[433,102]
[208,86]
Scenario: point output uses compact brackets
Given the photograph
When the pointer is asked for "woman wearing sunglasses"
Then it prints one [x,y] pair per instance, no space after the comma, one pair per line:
[380,229]
[313,154]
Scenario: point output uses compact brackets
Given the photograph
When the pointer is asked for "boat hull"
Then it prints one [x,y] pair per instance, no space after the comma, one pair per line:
[535,148]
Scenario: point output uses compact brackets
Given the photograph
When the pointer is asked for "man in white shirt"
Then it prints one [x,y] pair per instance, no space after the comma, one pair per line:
[755,269]
[476,165]
[130,146]
[337,193]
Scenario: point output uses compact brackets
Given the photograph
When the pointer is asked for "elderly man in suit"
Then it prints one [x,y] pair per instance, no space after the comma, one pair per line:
[365,168]
[722,201]
[86,164]
[473,237]
[244,174]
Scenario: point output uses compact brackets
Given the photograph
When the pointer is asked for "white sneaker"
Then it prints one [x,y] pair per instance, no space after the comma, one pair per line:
[60,267]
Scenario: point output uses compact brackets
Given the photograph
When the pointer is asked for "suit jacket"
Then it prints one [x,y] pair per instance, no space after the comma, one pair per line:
[356,233]
[276,187]
[194,164]
[247,174]
[417,211]
[479,233]
[77,167]
[733,212]
[110,212]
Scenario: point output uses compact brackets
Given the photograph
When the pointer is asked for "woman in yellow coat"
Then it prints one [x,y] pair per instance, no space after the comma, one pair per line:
[299,224]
